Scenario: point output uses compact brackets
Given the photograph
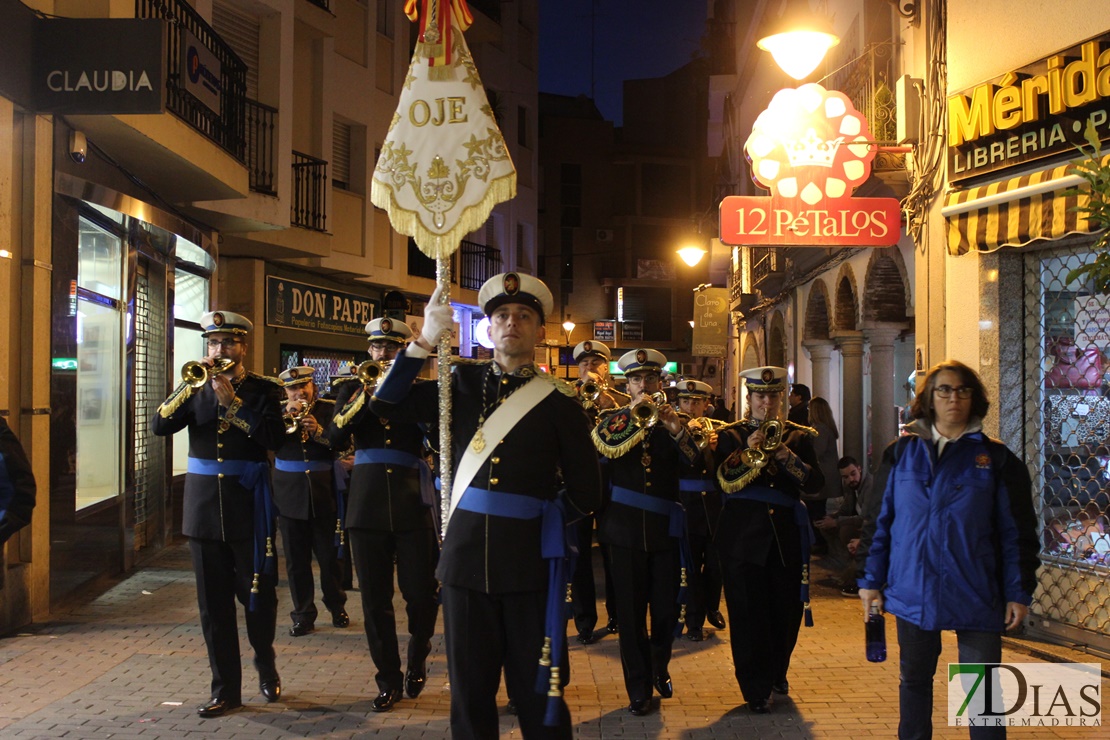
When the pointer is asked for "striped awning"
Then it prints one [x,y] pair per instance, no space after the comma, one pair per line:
[1014,212]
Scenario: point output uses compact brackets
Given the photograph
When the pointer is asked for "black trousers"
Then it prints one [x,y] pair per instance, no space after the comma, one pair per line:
[703,589]
[224,572]
[416,552]
[301,539]
[583,588]
[765,614]
[485,632]
[645,583]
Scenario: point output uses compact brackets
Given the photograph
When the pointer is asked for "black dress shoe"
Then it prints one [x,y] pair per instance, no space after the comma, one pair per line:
[781,687]
[695,635]
[640,707]
[300,629]
[716,619]
[340,619]
[384,701]
[759,706]
[611,626]
[270,688]
[414,682]
[664,687]
[587,637]
[510,708]
[217,707]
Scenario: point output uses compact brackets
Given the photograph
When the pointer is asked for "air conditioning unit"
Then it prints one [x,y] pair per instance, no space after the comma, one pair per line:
[604,235]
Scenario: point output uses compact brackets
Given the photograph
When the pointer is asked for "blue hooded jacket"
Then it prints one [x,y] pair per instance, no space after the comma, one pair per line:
[956,537]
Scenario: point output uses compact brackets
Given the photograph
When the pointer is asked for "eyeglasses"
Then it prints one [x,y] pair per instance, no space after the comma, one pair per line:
[225,343]
[946,391]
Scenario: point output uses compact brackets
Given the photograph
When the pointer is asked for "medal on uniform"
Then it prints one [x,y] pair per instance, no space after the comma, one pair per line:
[479,442]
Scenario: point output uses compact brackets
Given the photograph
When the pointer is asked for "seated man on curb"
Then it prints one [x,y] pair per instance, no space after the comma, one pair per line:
[843,526]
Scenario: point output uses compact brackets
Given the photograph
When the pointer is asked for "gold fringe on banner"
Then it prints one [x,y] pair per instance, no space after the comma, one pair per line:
[350,408]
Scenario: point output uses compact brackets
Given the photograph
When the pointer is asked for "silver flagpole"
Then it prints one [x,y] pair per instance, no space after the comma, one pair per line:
[446,473]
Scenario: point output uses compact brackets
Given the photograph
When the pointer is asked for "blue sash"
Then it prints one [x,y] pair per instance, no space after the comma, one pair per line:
[676,528]
[553,549]
[693,485]
[254,476]
[801,519]
[380,456]
[302,466]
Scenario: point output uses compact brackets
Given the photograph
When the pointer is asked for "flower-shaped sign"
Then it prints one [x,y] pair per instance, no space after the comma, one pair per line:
[811,148]
[802,145]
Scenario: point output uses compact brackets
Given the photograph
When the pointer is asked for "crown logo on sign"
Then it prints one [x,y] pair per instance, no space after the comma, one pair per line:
[812,151]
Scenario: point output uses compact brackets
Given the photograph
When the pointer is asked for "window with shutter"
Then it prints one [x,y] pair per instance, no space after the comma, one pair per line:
[341,155]
[243,32]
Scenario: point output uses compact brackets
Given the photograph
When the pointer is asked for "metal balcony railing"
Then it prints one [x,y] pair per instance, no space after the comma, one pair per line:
[420,264]
[765,262]
[325,4]
[261,123]
[478,263]
[867,80]
[310,177]
[226,126]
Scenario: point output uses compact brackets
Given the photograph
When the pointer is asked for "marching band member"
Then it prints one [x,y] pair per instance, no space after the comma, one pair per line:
[234,418]
[764,535]
[390,516]
[643,524]
[307,501]
[514,428]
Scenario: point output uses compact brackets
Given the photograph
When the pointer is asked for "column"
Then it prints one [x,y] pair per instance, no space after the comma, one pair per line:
[850,344]
[820,351]
[884,420]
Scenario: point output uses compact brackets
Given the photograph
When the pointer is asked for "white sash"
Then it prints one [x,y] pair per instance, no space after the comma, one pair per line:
[500,423]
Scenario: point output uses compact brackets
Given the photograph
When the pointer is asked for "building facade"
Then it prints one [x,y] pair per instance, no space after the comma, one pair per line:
[244,186]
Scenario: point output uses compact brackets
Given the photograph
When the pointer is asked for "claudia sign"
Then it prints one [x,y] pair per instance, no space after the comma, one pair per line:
[1029,113]
[811,148]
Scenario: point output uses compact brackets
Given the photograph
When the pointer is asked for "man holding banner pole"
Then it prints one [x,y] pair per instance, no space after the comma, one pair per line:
[514,427]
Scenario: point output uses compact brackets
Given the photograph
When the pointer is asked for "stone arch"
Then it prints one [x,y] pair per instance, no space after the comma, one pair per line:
[776,341]
[845,301]
[750,356]
[885,293]
[817,323]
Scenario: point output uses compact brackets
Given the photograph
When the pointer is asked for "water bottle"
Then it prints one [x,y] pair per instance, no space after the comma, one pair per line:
[876,636]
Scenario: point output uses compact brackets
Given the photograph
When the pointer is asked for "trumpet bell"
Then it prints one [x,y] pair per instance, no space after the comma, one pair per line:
[197,374]
[371,372]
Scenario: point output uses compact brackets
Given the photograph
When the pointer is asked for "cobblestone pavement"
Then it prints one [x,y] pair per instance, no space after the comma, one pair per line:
[132,664]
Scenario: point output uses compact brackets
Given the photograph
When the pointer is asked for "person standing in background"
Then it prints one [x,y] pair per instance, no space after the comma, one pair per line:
[825,447]
[799,404]
[17,489]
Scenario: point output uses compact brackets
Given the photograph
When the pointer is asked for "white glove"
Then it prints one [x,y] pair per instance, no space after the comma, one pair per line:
[438,318]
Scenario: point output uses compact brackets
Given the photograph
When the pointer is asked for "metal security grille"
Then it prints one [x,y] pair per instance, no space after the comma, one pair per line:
[326,363]
[1067,445]
[151,493]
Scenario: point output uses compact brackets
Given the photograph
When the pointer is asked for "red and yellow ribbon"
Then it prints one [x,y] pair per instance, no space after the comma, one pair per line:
[434,42]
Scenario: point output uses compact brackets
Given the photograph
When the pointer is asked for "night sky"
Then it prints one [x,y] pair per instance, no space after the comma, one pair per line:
[634,40]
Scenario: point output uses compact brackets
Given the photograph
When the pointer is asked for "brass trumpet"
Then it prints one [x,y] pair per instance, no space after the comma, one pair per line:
[197,374]
[591,391]
[645,412]
[772,439]
[371,372]
[701,429]
[294,418]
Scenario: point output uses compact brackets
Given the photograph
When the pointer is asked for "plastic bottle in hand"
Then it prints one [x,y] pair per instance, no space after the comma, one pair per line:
[876,636]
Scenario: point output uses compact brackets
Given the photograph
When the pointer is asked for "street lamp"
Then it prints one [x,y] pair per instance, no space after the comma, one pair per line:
[568,327]
[691,255]
[799,40]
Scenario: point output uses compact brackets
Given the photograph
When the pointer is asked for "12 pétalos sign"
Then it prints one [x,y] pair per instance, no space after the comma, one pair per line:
[811,148]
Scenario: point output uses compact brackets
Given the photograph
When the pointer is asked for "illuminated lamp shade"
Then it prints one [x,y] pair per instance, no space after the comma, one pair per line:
[799,40]
[691,255]
[568,326]
[481,333]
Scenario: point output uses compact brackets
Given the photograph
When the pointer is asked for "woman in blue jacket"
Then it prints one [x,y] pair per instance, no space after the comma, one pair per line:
[955,542]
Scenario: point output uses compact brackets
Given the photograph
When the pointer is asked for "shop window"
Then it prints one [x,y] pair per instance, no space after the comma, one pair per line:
[99,363]
[190,301]
[1067,413]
